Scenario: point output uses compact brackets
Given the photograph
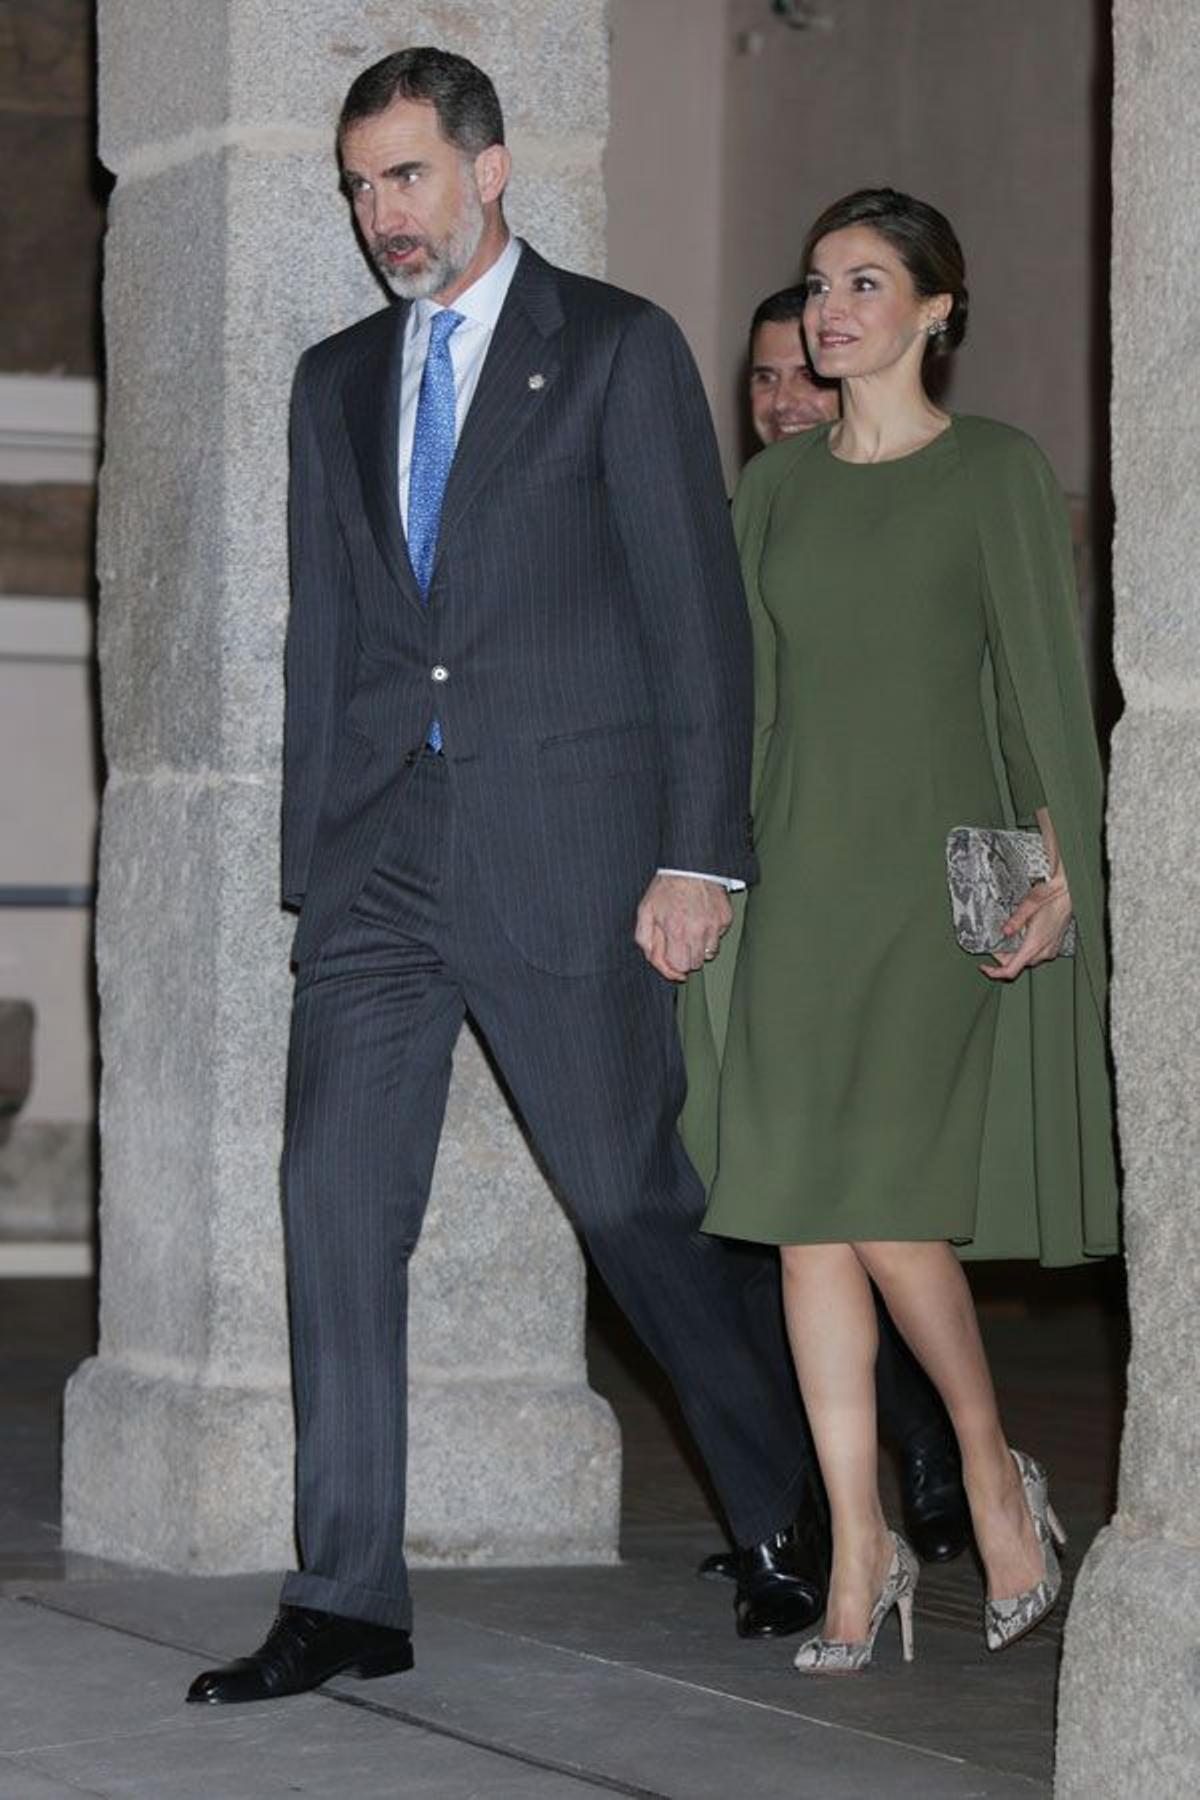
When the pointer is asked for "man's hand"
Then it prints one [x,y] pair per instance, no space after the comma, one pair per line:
[680,922]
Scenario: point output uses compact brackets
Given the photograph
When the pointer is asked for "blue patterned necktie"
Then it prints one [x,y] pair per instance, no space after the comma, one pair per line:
[432,454]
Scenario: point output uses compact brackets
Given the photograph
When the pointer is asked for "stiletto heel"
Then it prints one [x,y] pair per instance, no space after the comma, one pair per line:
[904,1606]
[1004,1621]
[827,1656]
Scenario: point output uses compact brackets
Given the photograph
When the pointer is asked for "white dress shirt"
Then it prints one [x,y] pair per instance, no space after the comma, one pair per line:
[480,306]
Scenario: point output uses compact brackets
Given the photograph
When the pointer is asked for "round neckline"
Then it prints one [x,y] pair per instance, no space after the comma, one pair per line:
[887,462]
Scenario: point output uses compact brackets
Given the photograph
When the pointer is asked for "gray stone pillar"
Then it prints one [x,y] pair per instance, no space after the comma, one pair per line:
[230,249]
[1129,1720]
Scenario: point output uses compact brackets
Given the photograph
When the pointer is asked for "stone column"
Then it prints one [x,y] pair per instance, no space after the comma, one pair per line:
[229,250]
[1130,1702]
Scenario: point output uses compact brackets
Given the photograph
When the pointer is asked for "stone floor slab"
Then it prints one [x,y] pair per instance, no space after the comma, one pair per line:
[687,1716]
[659,1618]
[20,1781]
[86,1710]
[574,1681]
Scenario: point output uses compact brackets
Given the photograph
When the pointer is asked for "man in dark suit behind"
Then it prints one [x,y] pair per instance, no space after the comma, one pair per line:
[517,744]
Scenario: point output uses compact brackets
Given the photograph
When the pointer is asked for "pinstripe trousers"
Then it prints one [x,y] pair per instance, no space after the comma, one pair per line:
[594,1065]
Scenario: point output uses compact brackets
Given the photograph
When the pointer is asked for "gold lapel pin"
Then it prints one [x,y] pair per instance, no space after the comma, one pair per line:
[537,380]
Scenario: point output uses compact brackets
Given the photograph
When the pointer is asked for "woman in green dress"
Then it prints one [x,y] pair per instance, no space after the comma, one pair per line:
[863,1093]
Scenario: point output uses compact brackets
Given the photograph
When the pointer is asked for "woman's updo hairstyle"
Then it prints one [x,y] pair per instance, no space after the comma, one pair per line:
[923,239]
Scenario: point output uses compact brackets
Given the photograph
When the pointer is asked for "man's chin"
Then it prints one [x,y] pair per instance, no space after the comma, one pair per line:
[411,284]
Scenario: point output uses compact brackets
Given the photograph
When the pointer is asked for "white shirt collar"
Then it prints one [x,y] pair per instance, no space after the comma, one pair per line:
[482,301]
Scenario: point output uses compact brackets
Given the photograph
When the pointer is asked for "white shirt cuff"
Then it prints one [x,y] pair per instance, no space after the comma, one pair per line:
[728,882]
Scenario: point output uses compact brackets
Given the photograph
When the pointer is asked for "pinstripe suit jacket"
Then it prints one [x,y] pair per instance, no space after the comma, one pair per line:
[585,612]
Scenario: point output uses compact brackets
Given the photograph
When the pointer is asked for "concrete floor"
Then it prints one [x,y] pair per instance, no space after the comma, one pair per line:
[541,1684]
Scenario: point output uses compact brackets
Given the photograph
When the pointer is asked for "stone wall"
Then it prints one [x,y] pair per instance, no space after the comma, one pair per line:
[230,249]
[1130,1698]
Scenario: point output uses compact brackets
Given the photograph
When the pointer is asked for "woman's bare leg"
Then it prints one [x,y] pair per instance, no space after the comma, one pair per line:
[926,1292]
[834,1337]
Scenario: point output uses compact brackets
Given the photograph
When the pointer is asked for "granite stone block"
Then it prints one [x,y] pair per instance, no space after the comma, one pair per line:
[473,1275]
[1155,902]
[165,1472]
[1156,246]
[563,218]
[1128,1716]
[1128,1711]
[157,85]
[509,1471]
[192,550]
[222,65]
[159,549]
[549,63]
[193,982]
[1156,999]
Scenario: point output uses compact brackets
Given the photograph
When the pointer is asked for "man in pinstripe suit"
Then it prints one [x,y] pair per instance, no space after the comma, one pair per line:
[517,746]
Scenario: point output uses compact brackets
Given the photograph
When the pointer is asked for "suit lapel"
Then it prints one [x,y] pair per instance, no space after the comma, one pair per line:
[371,402]
[504,402]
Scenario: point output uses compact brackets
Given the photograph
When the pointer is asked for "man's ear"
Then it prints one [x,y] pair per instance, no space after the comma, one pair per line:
[492,169]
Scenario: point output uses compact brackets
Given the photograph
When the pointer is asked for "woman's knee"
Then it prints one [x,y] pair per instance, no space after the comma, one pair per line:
[884,1259]
[806,1262]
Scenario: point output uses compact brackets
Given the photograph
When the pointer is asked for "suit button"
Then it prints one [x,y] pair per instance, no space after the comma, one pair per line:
[438,673]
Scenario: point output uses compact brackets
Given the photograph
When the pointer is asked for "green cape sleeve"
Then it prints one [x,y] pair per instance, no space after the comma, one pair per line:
[1048,1182]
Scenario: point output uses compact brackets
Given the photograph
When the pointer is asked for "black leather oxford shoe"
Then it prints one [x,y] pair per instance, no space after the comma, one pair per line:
[781,1581]
[302,1649]
[937,1520]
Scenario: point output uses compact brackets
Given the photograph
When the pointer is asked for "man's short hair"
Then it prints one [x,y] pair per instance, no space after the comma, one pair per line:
[779,309]
[468,111]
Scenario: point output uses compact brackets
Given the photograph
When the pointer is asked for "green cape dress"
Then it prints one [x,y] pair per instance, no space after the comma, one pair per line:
[1022,1151]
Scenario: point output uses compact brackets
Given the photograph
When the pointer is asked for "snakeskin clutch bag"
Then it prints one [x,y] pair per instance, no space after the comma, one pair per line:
[990,872]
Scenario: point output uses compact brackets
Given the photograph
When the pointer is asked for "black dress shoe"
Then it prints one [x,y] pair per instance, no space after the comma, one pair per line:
[302,1649]
[937,1520]
[781,1581]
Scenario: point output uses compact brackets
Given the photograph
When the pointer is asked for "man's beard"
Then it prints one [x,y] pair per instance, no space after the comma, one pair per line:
[445,258]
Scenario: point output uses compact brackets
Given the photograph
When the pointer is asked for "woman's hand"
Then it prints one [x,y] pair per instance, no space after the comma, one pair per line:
[1043,916]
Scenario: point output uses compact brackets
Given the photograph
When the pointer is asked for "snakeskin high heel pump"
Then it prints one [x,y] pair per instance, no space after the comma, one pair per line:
[826,1656]
[1004,1621]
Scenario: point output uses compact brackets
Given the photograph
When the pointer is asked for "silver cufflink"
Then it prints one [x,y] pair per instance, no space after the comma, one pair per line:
[537,380]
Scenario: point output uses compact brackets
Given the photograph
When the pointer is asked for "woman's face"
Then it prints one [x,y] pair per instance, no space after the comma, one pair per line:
[863,313]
